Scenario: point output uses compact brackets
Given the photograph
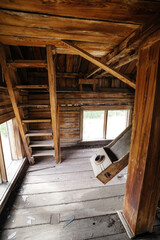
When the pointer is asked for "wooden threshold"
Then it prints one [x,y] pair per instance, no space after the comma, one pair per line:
[35,120]
[34,133]
[44,143]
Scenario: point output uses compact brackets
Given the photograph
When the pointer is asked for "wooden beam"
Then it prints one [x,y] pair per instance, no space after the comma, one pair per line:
[3,172]
[88,81]
[121,63]
[21,24]
[143,181]
[32,86]
[28,64]
[105,123]
[131,42]
[53,102]
[122,11]
[96,49]
[7,75]
[101,65]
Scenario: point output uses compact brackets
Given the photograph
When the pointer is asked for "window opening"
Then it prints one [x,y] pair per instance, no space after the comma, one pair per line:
[117,122]
[93,122]
[5,144]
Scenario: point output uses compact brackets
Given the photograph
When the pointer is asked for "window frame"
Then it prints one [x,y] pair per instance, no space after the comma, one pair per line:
[105,109]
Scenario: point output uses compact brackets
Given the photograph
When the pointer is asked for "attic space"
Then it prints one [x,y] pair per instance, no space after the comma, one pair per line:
[79,119]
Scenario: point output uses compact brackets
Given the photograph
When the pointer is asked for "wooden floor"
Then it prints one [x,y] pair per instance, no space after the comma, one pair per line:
[67,202]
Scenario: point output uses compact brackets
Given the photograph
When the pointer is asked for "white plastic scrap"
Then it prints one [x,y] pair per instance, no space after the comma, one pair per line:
[30,219]
[24,197]
[12,235]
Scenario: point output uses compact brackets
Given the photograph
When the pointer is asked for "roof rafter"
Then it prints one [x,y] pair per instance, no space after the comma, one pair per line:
[100,64]
[131,42]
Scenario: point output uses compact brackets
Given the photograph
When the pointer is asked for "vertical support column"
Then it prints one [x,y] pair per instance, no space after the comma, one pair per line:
[105,124]
[53,102]
[143,181]
[8,78]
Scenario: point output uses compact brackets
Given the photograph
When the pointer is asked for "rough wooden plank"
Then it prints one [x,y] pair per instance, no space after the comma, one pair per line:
[39,153]
[44,143]
[109,224]
[33,133]
[80,210]
[141,202]
[134,12]
[31,86]
[53,103]
[7,76]
[131,42]
[28,64]
[35,120]
[101,65]
[66,28]
[82,195]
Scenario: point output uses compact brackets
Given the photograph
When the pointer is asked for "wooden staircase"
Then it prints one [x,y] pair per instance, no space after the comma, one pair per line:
[44,141]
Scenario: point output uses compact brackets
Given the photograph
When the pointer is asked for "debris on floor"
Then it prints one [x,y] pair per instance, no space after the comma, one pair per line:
[68,221]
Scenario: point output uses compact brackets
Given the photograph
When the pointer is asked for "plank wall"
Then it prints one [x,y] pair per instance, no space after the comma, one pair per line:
[70,105]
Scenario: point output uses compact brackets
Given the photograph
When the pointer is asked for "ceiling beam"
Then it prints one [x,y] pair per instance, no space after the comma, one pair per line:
[122,11]
[122,62]
[100,64]
[133,41]
[36,25]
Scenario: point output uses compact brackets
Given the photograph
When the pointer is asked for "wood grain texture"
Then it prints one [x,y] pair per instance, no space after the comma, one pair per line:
[131,42]
[100,64]
[143,182]
[28,64]
[53,103]
[122,11]
[8,75]
[62,28]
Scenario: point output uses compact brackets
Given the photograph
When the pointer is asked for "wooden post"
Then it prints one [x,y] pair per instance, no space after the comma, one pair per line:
[105,124]
[2,163]
[53,102]
[143,181]
[7,75]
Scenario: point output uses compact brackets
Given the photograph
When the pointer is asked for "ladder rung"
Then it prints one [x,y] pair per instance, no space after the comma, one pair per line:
[39,153]
[44,86]
[44,143]
[35,120]
[34,133]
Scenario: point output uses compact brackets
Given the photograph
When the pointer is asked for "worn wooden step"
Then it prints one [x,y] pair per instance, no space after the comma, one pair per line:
[35,120]
[44,143]
[39,153]
[34,133]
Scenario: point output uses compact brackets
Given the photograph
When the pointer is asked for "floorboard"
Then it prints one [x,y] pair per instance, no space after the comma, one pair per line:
[66,201]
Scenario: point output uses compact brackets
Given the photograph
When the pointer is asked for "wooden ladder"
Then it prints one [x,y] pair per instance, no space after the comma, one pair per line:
[35,148]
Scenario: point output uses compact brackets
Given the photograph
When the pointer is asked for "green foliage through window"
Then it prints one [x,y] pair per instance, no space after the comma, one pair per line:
[3,129]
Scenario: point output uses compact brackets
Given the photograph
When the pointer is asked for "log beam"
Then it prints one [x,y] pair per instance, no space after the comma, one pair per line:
[7,75]
[100,64]
[53,103]
[143,181]
[28,64]
[131,42]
